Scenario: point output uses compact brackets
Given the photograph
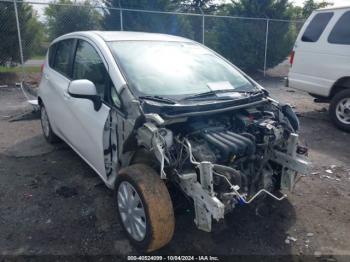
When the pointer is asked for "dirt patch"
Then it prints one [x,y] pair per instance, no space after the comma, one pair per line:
[34,146]
[66,192]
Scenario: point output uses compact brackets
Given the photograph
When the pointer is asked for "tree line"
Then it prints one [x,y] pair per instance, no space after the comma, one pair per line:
[242,41]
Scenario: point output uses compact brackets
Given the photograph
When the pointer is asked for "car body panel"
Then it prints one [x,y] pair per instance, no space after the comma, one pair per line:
[54,98]
[86,131]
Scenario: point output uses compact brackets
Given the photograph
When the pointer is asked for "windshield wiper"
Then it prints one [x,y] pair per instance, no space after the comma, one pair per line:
[213,94]
[159,99]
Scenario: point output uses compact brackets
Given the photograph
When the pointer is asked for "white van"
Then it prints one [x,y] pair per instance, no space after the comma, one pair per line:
[320,61]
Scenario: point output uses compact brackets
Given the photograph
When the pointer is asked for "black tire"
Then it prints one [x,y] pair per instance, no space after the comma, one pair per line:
[155,201]
[48,133]
[333,107]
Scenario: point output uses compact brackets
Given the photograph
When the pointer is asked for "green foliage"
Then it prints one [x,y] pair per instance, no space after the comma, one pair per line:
[243,41]
[303,12]
[31,32]
[148,22]
[240,40]
[196,6]
[136,21]
[34,38]
[18,69]
[63,17]
[311,5]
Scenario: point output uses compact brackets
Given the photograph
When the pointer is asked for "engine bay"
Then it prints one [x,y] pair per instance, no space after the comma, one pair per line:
[232,157]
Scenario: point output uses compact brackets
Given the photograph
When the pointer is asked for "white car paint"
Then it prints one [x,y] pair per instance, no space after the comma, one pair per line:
[317,66]
[74,120]
[83,86]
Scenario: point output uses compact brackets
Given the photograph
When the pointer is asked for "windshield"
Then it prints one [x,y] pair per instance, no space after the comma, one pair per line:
[157,68]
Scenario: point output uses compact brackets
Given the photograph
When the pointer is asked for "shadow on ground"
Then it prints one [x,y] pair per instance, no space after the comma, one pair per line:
[248,230]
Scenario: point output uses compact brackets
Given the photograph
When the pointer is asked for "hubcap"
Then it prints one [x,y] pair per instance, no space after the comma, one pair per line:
[343,111]
[45,122]
[131,211]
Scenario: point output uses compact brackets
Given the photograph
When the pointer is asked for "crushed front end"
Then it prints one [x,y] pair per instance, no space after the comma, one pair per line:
[224,157]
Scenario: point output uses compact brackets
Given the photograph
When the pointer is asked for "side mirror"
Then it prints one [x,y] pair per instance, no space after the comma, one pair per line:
[85,89]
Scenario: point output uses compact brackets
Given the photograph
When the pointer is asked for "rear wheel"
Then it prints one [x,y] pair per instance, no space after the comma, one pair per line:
[339,110]
[144,207]
[49,135]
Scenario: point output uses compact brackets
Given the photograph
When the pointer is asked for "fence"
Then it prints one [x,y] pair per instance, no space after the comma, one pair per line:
[26,28]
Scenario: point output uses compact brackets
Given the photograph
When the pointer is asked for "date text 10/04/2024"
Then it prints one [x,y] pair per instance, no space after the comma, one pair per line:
[172,258]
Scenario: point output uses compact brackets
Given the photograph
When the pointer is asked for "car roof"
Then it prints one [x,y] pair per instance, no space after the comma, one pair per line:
[127,35]
[333,8]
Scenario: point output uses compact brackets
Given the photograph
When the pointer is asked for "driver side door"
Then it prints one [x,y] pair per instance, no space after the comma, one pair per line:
[86,136]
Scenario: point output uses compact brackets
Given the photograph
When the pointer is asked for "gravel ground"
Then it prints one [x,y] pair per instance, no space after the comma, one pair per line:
[51,202]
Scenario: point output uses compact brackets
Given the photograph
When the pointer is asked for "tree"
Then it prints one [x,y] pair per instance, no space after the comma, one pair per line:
[196,6]
[243,40]
[34,38]
[311,5]
[240,40]
[66,16]
[135,21]
[146,22]
[31,32]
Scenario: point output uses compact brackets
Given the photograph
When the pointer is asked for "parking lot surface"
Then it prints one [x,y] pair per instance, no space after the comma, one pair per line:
[53,203]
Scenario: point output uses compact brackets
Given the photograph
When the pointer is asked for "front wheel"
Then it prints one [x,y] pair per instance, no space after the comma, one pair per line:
[144,207]
[339,110]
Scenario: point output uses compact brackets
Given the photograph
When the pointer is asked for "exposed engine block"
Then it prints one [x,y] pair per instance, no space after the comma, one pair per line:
[229,158]
[230,144]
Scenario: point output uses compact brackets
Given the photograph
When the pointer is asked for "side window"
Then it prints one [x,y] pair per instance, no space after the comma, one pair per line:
[89,65]
[51,55]
[62,57]
[316,27]
[341,31]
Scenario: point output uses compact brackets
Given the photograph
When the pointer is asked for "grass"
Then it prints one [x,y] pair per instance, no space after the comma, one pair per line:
[18,69]
[38,57]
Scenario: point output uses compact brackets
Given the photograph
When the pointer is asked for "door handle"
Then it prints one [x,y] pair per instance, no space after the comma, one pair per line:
[66,95]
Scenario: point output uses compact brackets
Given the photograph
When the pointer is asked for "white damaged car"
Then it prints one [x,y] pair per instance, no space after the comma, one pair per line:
[150,111]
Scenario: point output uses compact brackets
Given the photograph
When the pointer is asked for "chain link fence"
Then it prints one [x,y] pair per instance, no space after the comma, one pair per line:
[253,44]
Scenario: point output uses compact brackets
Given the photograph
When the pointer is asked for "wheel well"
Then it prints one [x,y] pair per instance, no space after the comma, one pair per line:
[339,85]
[141,155]
[144,156]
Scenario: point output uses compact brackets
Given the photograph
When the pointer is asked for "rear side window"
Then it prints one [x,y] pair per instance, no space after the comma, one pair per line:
[51,56]
[63,54]
[316,27]
[341,31]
